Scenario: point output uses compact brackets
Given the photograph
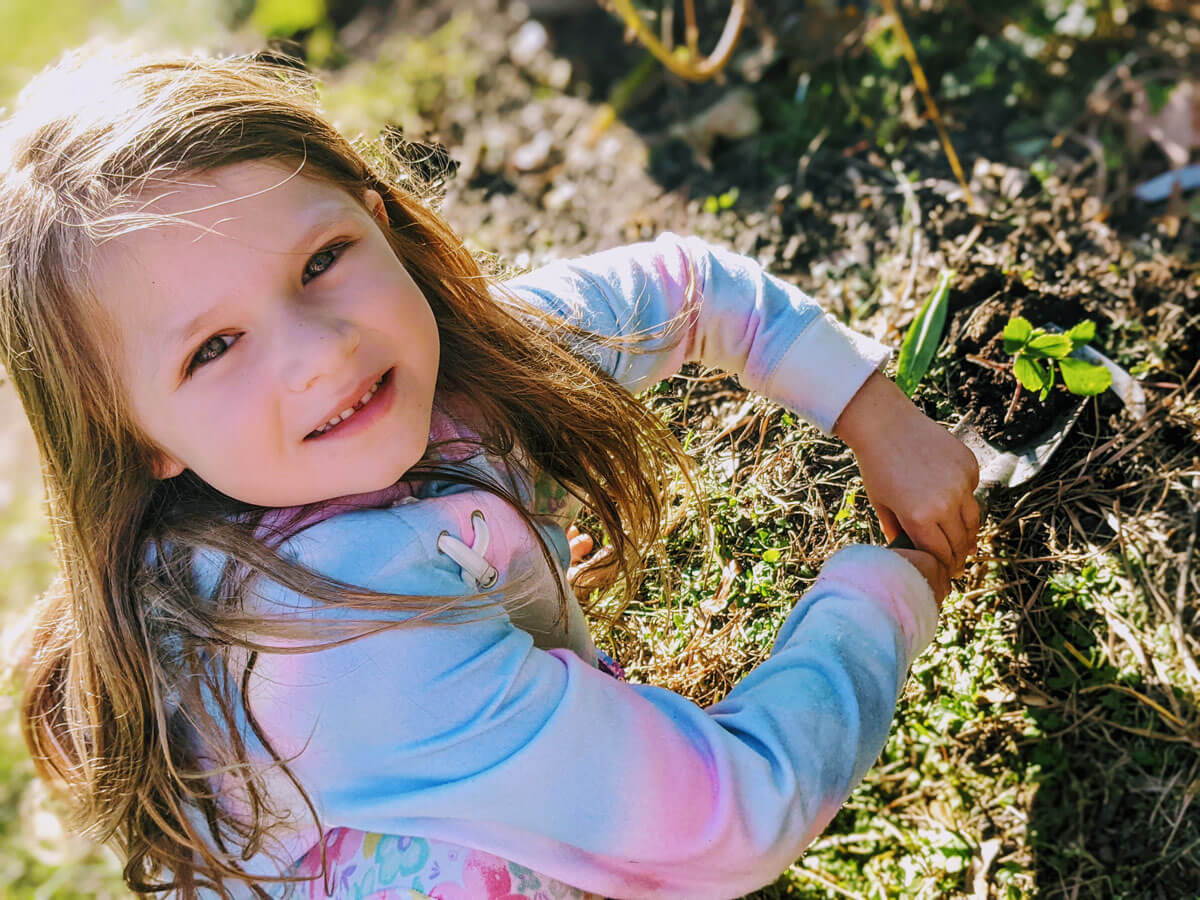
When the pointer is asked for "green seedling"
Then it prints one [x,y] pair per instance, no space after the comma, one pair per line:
[1037,353]
[923,337]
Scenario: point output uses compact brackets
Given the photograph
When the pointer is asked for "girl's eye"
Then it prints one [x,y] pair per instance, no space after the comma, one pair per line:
[322,261]
[203,356]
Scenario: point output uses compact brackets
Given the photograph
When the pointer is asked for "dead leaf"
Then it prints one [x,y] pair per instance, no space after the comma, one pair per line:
[720,599]
[1175,128]
[980,866]
[734,116]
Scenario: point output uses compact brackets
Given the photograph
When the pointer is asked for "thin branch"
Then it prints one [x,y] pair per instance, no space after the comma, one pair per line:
[923,86]
[691,68]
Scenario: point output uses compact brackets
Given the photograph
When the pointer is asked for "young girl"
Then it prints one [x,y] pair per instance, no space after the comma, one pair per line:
[311,635]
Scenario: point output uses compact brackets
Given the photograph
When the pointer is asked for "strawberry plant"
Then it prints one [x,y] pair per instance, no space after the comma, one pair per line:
[1037,353]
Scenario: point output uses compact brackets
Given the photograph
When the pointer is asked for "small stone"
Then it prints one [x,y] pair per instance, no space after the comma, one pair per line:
[1014,182]
[528,42]
[558,75]
[733,117]
[558,197]
[609,148]
[534,154]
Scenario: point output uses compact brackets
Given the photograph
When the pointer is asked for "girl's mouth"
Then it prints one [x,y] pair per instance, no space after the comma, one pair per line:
[377,402]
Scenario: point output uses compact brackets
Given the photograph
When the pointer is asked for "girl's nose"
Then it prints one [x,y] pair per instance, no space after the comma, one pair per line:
[314,347]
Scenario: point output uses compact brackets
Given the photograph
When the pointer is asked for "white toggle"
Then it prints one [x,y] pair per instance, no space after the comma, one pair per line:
[470,559]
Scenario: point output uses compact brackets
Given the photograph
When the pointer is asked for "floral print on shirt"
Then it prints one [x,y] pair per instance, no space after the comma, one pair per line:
[366,866]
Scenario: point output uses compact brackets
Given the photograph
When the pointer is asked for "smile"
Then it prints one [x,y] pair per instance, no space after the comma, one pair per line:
[373,402]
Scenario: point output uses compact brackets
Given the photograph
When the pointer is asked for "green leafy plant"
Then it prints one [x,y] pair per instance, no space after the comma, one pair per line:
[923,336]
[1037,353]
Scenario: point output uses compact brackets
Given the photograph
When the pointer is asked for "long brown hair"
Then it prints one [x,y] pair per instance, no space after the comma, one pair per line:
[127,645]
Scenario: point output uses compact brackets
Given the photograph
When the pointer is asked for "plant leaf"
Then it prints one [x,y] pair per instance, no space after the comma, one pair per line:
[1029,373]
[923,337]
[1085,379]
[1053,346]
[1082,333]
[1016,333]
[1047,371]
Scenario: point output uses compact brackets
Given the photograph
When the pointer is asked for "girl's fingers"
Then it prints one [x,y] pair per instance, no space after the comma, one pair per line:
[889,522]
[970,518]
[935,541]
[581,544]
[960,544]
[957,539]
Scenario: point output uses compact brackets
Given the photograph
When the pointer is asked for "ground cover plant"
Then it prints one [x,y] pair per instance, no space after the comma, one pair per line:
[1046,743]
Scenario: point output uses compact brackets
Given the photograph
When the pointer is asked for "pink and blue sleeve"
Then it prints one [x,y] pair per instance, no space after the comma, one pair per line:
[468,733]
[736,316]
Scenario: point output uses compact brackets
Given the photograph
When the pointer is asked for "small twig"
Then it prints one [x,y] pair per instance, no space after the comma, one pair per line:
[807,871]
[960,251]
[1163,712]
[1012,404]
[691,68]
[986,363]
[1177,631]
[691,30]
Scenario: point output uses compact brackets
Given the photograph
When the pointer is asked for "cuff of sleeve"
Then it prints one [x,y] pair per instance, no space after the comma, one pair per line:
[823,369]
[895,582]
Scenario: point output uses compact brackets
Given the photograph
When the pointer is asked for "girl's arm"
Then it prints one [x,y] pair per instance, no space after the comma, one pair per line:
[470,734]
[737,317]
[742,319]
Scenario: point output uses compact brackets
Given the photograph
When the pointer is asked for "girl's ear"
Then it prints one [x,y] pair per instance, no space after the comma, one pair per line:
[167,467]
[374,204]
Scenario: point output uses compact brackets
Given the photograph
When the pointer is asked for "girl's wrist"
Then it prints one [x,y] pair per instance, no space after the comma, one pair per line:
[877,406]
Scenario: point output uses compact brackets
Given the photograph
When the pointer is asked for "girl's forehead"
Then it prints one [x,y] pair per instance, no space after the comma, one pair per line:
[252,206]
[218,195]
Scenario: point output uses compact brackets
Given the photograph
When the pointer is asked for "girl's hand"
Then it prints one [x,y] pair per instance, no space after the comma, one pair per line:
[581,544]
[918,476]
[929,567]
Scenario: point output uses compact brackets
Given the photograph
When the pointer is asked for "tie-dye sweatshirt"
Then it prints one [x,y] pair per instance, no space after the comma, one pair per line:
[502,734]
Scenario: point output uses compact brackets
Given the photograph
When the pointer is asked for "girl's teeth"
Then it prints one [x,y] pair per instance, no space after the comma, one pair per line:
[347,413]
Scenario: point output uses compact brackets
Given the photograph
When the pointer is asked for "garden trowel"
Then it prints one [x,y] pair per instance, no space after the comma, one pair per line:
[1010,468]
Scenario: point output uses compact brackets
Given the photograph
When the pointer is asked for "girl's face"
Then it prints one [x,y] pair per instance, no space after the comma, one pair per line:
[243,337]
